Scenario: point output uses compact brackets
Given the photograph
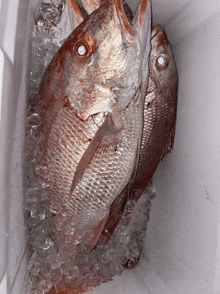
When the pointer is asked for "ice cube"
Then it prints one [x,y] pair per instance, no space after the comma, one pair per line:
[56,33]
[33,88]
[42,171]
[58,2]
[46,244]
[51,12]
[44,286]
[32,200]
[31,148]
[46,195]
[42,215]
[38,51]
[36,135]
[56,277]
[34,120]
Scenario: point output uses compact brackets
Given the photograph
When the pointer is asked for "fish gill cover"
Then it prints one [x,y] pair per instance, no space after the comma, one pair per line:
[87,161]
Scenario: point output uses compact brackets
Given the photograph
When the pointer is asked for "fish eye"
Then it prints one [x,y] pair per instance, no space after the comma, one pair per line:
[82,48]
[162,62]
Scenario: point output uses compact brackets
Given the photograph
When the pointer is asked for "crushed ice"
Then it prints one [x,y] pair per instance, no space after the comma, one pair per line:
[54,261]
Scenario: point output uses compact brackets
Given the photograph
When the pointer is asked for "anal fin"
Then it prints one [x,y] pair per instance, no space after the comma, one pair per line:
[115,214]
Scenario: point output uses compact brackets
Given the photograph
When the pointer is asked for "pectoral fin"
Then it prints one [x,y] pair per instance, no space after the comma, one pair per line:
[106,129]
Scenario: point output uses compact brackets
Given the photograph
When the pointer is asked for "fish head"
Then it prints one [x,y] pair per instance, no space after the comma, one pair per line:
[100,62]
[163,69]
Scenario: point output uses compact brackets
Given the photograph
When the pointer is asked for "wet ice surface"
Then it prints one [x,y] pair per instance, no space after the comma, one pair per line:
[54,260]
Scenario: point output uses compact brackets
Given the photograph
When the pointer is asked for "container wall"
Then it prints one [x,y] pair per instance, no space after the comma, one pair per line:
[183,236]
[14,57]
[5,80]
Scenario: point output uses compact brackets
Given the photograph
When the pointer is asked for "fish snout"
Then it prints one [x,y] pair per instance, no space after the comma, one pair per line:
[155,30]
[158,37]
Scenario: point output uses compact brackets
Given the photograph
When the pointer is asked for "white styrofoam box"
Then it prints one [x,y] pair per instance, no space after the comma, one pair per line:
[3,285]
[182,250]
[5,80]
[14,58]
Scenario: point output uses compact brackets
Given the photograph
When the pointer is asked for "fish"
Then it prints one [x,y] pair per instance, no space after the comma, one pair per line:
[91,108]
[160,108]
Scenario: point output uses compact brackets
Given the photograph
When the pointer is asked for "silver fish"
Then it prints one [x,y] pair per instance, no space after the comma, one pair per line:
[159,124]
[92,117]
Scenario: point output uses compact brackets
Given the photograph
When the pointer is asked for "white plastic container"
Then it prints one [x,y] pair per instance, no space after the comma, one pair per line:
[182,250]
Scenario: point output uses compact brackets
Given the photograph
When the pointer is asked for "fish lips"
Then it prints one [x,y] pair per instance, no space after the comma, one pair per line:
[159,37]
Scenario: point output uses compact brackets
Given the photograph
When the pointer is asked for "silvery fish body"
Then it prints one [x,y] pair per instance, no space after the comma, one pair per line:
[159,123]
[91,106]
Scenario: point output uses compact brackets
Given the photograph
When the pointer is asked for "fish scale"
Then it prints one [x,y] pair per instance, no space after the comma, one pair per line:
[61,158]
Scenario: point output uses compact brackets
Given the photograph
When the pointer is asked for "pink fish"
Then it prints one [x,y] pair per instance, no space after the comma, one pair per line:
[91,106]
[159,123]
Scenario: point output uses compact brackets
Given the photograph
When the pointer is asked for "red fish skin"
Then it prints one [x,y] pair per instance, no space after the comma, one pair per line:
[159,126]
[69,106]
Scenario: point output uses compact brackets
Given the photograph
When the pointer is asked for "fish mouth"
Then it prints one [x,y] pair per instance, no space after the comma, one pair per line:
[125,14]
[155,30]
[128,28]
[128,12]
[158,37]
[89,6]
